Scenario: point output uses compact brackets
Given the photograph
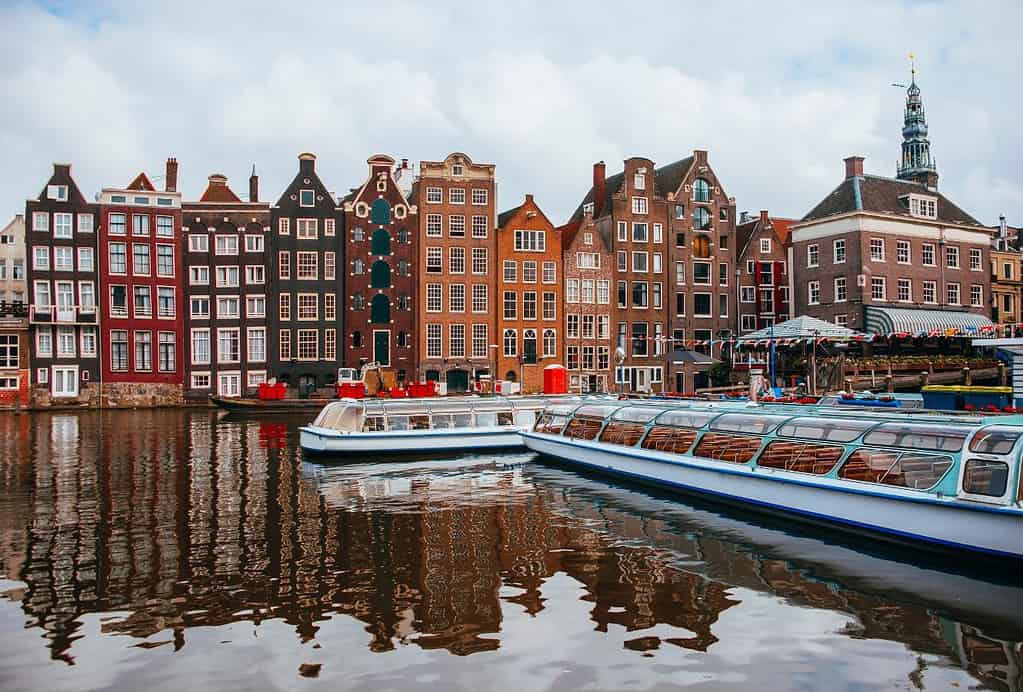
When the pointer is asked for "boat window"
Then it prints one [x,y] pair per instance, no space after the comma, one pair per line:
[669,439]
[736,448]
[621,433]
[800,457]
[636,414]
[867,465]
[583,428]
[686,419]
[595,411]
[944,438]
[441,421]
[995,440]
[828,430]
[986,477]
[758,424]
[487,419]
[462,419]
[917,471]
[550,423]
[374,424]
[397,423]
[508,418]
[525,419]
[561,409]
[420,422]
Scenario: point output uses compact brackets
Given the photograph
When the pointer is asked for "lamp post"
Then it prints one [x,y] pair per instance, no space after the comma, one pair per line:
[493,370]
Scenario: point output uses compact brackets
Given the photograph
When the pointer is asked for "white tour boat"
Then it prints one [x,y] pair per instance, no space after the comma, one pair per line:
[421,425]
[941,481]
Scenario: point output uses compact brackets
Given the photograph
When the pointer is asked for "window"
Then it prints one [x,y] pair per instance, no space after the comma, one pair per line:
[57,192]
[723,305]
[41,258]
[572,326]
[200,380]
[433,339]
[308,306]
[723,274]
[456,340]
[975,258]
[639,262]
[622,291]
[358,266]
[434,298]
[8,350]
[434,260]
[623,231]
[306,264]
[479,298]
[228,307]
[878,290]
[140,224]
[510,271]
[63,259]
[640,294]
[63,225]
[877,249]
[65,342]
[329,306]
[985,477]
[143,351]
[119,350]
[479,226]
[902,252]
[198,242]
[623,260]
[167,357]
[904,290]
[701,219]
[456,298]
[748,323]
[456,195]
[572,291]
[456,260]
[747,294]
[549,305]
[479,261]
[228,345]
[256,344]
[658,233]
[165,260]
[143,301]
[926,207]
[306,229]
[603,292]
[977,296]
[927,255]
[530,241]
[812,255]
[44,341]
[253,242]
[639,232]
[930,291]
[329,266]
[701,273]
[510,305]
[456,226]
[701,305]
[226,245]
[510,341]
[550,343]
[43,300]
[588,326]
[813,292]
[284,343]
[284,264]
[680,273]
[529,305]
[639,205]
[658,265]
[838,250]
[140,264]
[227,277]
[765,245]
[197,276]
[86,261]
[639,339]
[306,198]
[434,225]
[953,294]
[840,289]
[952,257]
[284,226]
[583,260]
[165,306]
[199,307]
[701,190]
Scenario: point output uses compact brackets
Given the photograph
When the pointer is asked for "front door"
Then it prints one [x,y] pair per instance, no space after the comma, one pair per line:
[680,382]
[642,382]
[229,384]
[382,346]
[458,381]
[65,381]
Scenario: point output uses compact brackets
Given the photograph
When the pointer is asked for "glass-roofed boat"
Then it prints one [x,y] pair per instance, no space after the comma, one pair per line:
[421,425]
[945,481]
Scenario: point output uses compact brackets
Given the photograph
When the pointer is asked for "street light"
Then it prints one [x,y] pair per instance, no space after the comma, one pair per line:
[493,371]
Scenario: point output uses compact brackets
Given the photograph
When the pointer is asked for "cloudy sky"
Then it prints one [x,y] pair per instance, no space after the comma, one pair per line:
[778,92]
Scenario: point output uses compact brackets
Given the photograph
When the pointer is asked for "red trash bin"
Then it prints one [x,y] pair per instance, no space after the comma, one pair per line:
[555,380]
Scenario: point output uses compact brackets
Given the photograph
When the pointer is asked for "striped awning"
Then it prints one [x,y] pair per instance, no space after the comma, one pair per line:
[912,322]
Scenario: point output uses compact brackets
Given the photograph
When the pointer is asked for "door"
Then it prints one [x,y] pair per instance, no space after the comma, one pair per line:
[229,384]
[382,346]
[306,385]
[65,301]
[680,382]
[458,381]
[642,380]
[65,381]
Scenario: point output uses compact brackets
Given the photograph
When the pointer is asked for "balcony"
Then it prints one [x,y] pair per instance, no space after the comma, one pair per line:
[13,308]
[52,314]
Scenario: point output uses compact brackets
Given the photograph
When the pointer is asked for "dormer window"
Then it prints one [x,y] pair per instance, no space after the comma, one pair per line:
[922,207]
[306,198]
[639,181]
[457,169]
[588,208]
[57,192]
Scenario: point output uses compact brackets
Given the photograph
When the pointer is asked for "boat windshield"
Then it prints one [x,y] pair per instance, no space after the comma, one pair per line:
[995,440]
[759,424]
[825,429]
[341,416]
[600,411]
[938,438]
[686,419]
[636,414]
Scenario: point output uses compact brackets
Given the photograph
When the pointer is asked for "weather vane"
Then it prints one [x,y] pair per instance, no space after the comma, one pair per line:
[912,72]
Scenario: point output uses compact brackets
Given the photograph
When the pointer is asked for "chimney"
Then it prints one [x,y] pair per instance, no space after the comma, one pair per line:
[599,171]
[171,178]
[763,217]
[253,185]
[529,199]
[62,169]
[306,163]
[700,155]
[853,167]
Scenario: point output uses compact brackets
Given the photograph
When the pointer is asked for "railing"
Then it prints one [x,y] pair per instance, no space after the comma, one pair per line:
[13,308]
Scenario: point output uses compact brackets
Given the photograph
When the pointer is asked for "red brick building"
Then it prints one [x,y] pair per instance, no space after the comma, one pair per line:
[380,288]
[762,278]
[530,318]
[141,276]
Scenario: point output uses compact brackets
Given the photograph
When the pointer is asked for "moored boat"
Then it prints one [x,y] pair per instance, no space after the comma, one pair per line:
[932,480]
[251,405]
[421,425]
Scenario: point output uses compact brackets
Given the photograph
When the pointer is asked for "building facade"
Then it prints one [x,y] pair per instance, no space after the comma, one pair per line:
[13,288]
[588,262]
[380,283]
[1006,277]
[457,257]
[762,278]
[141,279]
[62,284]
[532,303]
[306,248]
[227,350]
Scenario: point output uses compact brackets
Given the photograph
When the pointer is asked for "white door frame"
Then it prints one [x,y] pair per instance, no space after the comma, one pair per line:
[66,369]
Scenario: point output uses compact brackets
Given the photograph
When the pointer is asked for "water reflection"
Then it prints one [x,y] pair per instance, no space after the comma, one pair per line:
[163,523]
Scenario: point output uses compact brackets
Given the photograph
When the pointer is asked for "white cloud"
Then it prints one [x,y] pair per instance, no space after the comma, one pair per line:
[778,93]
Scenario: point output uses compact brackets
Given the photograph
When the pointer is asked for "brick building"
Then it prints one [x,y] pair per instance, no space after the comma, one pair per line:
[13,288]
[141,279]
[456,271]
[226,323]
[62,281]
[306,247]
[762,279]
[14,342]
[530,317]
[1006,276]
[588,261]
[379,282]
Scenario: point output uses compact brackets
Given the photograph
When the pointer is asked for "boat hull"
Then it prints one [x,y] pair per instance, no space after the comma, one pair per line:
[411,441]
[269,405]
[921,519]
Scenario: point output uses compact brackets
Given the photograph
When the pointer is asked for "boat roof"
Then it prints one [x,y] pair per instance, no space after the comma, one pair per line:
[465,404]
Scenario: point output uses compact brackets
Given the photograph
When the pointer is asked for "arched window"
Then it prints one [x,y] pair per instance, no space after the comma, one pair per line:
[701,190]
[358,302]
[550,341]
[403,236]
[510,376]
[511,342]
[701,246]
[358,234]
[358,267]
[381,242]
[357,339]
[380,275]
[701,218]
[380,309]
[380,212]
[529,346]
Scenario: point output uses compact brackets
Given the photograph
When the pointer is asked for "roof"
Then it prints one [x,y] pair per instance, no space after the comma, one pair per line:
[744,232]
[801,327]
[877,194]
[506,216]
[218,191]
[142,183]
[667,179]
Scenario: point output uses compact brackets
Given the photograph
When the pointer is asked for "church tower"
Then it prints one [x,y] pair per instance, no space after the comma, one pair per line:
[916,164]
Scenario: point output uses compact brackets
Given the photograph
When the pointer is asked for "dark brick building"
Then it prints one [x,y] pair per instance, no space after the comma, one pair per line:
[762,278]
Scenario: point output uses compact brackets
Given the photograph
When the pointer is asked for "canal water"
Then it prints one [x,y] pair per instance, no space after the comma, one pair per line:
[167,550]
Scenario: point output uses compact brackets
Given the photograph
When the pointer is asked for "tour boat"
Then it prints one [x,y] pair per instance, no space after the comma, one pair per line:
[421,425]
[949,482]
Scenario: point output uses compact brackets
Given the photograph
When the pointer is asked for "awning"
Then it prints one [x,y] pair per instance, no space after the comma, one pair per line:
[912,322]
[699,360]
[803,327]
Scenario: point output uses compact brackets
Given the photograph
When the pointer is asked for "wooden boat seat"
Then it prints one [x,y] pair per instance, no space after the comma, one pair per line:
[665,439]
[800,457]
[723,447]
[626,434]
[583,428]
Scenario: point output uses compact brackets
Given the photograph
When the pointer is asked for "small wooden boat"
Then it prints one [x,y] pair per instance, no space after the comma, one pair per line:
[939,481]
[239,405]
[419,425]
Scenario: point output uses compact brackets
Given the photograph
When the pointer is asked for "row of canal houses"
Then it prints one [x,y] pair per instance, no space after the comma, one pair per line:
[142,298]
